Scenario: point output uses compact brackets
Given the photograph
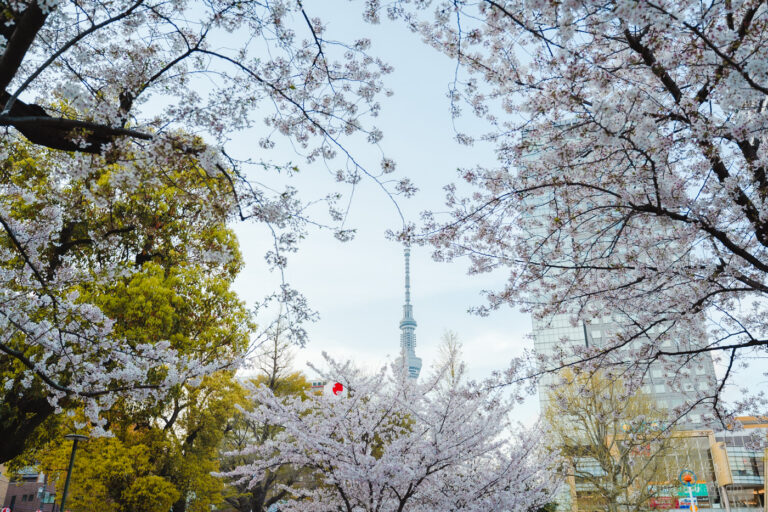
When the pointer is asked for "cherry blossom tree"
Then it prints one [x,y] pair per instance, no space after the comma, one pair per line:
[390,444]
[631,140]
[137,293]
[107,99]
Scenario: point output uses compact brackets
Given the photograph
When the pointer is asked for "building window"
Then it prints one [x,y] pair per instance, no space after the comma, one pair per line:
[23,497]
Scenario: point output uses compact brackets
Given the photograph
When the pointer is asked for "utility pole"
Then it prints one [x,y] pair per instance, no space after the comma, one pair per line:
[75,439]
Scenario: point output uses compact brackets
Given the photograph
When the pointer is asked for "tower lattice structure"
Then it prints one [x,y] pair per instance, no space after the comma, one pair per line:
[408,325]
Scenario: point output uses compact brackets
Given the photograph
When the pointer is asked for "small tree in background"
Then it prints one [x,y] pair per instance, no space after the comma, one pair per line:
[614,441]
[273,362]
[450,357]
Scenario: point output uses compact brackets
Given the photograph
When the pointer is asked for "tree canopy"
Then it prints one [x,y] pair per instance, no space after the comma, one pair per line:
[129,295]
[391,444]
[631,139]
[157,459]
[631,183]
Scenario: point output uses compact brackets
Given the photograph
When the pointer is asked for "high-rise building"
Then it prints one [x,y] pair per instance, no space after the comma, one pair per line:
[408,326]
[668,388]
[566,337]
[668,385]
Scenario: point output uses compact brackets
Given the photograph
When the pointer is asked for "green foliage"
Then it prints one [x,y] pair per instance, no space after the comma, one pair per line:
[104,470]
[148,244]
[150,494]
[167,456]
[291,384]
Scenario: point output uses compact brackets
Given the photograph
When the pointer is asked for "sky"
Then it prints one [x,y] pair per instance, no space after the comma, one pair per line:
[358,287]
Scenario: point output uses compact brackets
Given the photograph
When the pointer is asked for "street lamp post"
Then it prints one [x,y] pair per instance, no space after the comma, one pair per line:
[688,478]
[75,439]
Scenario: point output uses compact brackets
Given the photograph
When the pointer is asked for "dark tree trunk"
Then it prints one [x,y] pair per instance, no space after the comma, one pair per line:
[180,505]
[20,415]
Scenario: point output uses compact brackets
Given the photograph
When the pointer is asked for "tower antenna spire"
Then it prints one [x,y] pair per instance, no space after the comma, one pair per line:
[407,275]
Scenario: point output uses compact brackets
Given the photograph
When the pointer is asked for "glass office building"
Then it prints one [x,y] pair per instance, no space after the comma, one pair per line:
[561,335]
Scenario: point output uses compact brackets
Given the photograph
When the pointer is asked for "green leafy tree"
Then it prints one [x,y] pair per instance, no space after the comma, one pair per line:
[109,475]
[158,459]
[149,262]
[149,494]
[158,261]
[193,443]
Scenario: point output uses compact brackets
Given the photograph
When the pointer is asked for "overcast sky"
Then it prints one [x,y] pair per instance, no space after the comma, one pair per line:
[357,287]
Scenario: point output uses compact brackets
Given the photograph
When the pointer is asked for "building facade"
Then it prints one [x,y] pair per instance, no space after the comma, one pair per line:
[729,465]
[4,481]
[30,491]
[747,464]
[563,335]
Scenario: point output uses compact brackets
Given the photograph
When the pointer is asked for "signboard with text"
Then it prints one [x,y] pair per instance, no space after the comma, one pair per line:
[699,489]
[663,503]
[686,503]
